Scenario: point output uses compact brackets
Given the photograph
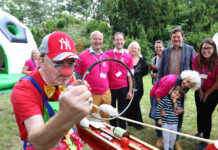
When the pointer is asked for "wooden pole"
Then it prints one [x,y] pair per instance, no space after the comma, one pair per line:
[163,129]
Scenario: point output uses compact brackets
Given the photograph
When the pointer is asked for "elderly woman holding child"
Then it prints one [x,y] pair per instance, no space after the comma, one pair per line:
[204,80]
[187,80]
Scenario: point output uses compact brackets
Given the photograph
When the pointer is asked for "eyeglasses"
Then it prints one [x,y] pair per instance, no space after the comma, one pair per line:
[60,64]
[207,48]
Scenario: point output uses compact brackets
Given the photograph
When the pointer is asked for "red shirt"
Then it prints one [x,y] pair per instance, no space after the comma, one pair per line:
[27,101]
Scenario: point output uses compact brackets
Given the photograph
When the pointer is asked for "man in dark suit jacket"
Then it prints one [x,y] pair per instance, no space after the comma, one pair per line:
[176,57]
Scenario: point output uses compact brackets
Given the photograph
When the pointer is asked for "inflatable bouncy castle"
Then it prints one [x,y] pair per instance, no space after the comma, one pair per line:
[16,44]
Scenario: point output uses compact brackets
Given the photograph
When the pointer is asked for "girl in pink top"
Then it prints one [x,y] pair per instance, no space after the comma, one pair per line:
[206,63]
[31,64]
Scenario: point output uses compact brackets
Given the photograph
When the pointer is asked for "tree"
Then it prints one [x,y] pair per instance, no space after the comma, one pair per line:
[154,18]
[159,17]
[33,12]
[64,23]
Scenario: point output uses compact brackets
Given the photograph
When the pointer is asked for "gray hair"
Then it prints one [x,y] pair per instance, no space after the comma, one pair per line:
[194,77]
[94,32]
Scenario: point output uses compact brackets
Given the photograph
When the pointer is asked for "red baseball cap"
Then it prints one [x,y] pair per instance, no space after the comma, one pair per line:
[58,46]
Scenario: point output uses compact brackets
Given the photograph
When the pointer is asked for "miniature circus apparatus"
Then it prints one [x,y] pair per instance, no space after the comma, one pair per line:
[105,138]
[99,135]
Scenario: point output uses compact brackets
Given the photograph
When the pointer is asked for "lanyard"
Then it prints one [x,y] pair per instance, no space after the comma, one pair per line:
[97,60]
[118,59]
[34,63]
[205,69]
[204,75]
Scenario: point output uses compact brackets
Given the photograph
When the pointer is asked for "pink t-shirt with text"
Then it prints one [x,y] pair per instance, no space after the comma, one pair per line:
[98,76]
[117,82]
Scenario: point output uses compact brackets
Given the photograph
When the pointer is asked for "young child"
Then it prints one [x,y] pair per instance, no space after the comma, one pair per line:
[170,119]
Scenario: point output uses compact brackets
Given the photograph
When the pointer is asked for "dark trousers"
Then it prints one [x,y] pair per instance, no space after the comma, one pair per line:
[204,113]
[134,110]
[120,95]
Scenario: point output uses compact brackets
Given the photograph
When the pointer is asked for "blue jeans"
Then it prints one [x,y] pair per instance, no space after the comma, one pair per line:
[152,112]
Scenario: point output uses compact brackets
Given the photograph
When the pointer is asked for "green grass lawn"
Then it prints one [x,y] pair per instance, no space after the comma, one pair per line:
[9,136]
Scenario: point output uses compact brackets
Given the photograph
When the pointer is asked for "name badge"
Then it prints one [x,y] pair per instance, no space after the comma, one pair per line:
[118,74]
[203,76]
[102,75]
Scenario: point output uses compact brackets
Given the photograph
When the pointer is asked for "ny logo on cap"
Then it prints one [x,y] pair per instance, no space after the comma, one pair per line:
[65,42]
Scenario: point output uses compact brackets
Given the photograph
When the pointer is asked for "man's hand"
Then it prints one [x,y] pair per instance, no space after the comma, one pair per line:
[129,95]
[73,103]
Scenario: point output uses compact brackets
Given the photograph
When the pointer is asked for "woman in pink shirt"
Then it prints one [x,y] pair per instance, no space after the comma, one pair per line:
[31,64]
[206,63]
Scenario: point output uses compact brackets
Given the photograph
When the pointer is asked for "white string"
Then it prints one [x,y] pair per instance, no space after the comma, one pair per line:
[163,129]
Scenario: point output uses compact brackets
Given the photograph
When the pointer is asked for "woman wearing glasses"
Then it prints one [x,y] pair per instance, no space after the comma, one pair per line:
[206,63]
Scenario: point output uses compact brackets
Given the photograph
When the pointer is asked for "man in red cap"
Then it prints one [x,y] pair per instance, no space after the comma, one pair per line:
[44,124]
